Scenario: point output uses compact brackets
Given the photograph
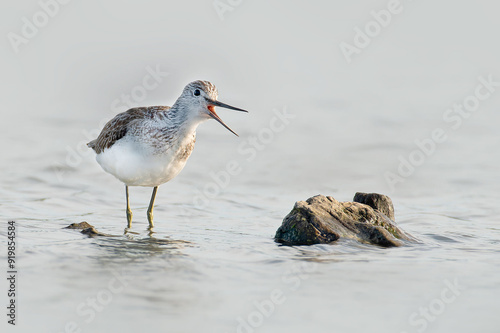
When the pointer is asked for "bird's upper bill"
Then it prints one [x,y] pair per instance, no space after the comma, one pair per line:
[212,103]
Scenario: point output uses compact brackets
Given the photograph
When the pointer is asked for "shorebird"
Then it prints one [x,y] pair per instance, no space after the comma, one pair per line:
[148,146]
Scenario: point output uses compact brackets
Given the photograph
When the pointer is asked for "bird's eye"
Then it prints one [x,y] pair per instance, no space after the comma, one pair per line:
[196,92]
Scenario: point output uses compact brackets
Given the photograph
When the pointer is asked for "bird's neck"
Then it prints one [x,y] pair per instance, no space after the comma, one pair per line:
[185,121]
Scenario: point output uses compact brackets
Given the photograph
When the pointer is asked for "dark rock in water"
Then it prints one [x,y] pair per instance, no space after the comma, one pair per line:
[91,232]
[321,220]
[379,202]
[87,229]
[81,225]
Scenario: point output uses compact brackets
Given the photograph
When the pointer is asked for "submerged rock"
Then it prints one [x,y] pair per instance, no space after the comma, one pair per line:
[320,220]
[81,225]
[86,229]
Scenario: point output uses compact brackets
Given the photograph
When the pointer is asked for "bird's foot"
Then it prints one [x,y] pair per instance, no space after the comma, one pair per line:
[150,220]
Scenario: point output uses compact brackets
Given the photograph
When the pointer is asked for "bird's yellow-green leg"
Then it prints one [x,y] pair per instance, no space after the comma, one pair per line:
[150,209]
[129,211]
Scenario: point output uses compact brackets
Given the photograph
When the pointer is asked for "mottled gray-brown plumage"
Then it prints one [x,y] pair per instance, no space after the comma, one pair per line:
[117,128]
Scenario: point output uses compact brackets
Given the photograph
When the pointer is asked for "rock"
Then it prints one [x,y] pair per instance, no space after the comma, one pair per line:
[379,202]
[81,225]
[87,229]
[321,220]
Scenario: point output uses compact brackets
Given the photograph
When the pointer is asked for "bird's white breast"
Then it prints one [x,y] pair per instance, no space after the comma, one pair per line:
[136,163]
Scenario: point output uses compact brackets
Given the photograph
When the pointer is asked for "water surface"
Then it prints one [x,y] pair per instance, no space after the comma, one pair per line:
[211,264]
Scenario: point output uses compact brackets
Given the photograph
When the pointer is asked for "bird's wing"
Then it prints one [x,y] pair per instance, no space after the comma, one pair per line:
[117,128]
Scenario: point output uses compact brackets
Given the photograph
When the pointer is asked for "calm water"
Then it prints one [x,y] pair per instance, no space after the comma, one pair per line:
[206,267]
[212,264]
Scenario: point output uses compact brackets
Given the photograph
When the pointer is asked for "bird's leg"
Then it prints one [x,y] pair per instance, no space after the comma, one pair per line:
[150,209]
[129,211]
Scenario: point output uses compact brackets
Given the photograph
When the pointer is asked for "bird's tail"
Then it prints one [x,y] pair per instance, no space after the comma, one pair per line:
[91,144]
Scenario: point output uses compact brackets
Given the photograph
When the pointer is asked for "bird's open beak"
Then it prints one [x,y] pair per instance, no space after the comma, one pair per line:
[211,108]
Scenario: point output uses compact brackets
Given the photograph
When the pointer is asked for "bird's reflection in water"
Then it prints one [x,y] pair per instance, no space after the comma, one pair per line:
[134,245]
[152,267]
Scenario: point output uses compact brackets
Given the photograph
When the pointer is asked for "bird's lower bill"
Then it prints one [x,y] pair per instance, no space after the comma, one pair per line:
[211,109]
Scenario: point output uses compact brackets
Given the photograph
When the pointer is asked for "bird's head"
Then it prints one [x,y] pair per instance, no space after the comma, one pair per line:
[200,98]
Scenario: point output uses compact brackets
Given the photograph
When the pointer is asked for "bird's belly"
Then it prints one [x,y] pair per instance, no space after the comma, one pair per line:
[136,167]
